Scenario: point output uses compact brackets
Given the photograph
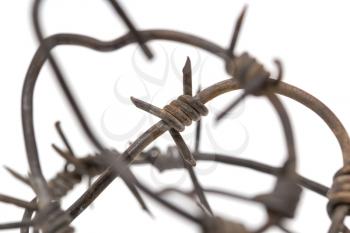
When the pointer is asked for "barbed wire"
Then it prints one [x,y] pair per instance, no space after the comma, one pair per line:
[44,212]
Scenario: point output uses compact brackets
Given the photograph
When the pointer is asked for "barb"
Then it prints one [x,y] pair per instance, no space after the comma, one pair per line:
[160,127]
[236,31]
[138,197]
[140,40]
[65,181]
[198,131]
[206,95]
[187,78]
[69,158]
[255,80]
[122,168]
[185,152]
[17,202]
[177,115]
[251,76]
[18,176]
[14,225]
[64,138]
[231,106]
[198,135]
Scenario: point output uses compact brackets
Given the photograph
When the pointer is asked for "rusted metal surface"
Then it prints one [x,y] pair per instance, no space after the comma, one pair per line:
[45,213]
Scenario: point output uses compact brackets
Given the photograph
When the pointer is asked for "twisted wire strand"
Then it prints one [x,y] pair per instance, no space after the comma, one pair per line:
[327,116]
[179,113]
[339,193]
[224,87]
[247,69]
[310,102]
[39,182]
[63,182]
[323,111]
[255,80]
[174,162]
[59,186]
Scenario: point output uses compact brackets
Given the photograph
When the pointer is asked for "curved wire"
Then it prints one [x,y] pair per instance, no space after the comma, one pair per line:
[221,88]
[89,42]
[330,119]
[91,135]
[290,163]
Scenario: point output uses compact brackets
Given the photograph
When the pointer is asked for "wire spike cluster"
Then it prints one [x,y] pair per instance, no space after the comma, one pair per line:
[44,212]
[175,112]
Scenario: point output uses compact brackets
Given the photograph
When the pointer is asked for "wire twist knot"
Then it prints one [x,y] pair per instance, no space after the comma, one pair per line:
[250,74]
[63,182]
[182,111]
[339,193]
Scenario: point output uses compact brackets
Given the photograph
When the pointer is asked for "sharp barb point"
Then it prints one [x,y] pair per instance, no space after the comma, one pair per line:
[63,137]
[128,177]
[139,38]
[278,63]
[236,31]
[137,102]
[199,190]
[134,100]
[18,176]
[59,151]
[138,196]
[187,67]
[68,157]
[17,202]
[230,107]
[182,147]
[147,107]
[14,225]
[187,77]
[57,124]
[190,162]
[198,135]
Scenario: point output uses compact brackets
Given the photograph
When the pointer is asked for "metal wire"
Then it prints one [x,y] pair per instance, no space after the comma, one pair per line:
[247,74]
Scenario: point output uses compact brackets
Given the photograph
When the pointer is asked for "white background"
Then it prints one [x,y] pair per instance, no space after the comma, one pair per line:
[311,38]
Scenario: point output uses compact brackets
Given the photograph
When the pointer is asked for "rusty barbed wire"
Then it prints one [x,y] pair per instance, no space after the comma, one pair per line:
[44,212]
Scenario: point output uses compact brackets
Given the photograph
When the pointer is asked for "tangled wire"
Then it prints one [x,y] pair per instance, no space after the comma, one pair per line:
[44,213]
